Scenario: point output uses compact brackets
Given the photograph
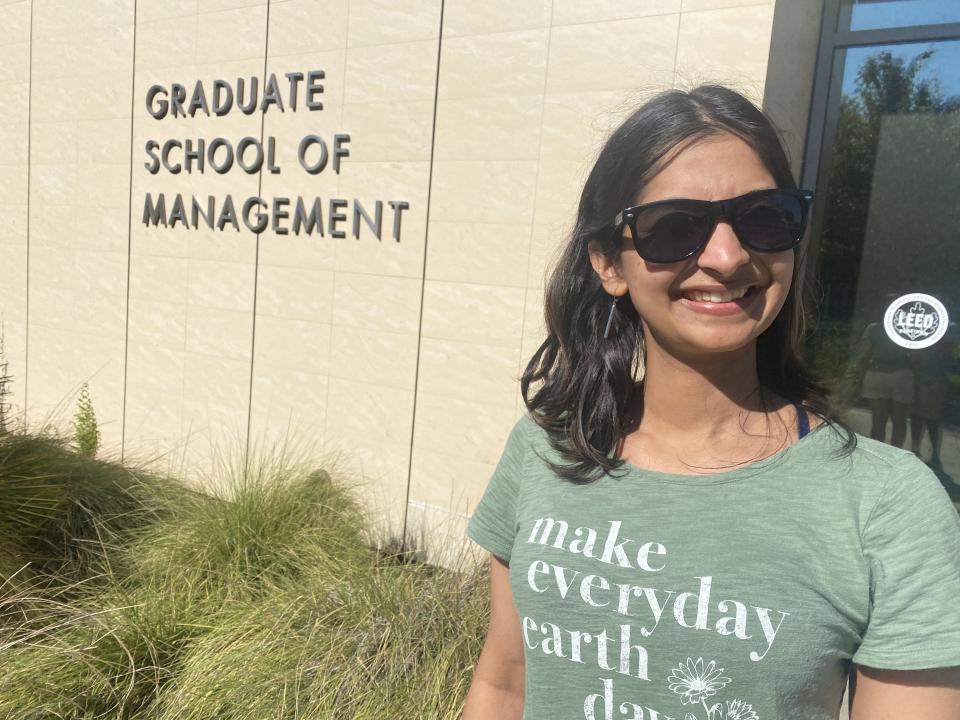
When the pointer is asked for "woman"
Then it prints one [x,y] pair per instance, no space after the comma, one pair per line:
[677,528]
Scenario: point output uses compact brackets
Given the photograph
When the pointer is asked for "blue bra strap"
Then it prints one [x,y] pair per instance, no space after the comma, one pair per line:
[803,422]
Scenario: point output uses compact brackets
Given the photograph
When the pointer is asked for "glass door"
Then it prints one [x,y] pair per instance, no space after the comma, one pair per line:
[885,246]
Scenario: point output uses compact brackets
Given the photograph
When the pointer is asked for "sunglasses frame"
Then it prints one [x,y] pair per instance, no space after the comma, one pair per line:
[717,210]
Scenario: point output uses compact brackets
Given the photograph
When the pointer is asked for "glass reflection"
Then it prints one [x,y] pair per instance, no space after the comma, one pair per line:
[890,176]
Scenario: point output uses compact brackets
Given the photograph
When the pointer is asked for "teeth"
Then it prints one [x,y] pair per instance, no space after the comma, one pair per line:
[700,296]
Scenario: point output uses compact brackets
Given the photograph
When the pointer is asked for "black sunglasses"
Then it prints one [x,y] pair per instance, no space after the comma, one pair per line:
[672,230]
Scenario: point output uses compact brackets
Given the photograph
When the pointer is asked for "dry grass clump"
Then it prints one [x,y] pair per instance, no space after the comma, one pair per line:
[399,640]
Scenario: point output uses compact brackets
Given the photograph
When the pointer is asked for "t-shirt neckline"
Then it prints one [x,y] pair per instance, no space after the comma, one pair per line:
[725,476]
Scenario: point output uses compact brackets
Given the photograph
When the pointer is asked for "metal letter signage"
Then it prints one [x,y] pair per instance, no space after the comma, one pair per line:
[252,155]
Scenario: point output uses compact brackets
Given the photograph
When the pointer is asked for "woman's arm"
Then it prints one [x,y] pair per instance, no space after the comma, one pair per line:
[905,694]
[497,687]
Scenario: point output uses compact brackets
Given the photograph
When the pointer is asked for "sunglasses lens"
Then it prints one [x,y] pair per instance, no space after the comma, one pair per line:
[771,222]
[671,232]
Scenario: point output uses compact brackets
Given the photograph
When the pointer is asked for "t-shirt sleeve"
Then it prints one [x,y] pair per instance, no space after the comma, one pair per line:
[493,524]
[912,544]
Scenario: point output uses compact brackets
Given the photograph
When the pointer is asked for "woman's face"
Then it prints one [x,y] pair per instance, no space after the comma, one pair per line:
[669,298]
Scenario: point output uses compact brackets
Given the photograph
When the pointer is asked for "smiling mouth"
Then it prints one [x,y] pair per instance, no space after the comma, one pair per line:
[718,297]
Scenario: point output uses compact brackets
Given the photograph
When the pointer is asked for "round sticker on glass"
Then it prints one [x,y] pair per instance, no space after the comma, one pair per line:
[916,321]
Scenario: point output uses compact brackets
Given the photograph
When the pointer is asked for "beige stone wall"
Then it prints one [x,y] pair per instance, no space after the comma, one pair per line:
[79,93]
[399,359]
[14,168]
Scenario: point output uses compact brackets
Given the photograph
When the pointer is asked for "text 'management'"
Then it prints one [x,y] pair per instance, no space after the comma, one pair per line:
[282,215]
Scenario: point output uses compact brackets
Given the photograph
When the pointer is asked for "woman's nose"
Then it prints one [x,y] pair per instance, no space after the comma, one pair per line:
[723,253]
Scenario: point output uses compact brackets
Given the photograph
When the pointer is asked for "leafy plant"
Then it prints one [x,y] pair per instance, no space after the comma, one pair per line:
[5,381]
[85,424]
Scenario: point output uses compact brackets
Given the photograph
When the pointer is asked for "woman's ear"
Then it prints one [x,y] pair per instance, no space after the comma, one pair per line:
[607,270]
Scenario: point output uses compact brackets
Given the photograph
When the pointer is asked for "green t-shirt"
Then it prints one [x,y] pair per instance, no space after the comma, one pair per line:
[741,595]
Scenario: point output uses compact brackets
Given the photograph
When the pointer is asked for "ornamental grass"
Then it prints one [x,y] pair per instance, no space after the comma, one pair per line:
[128,595]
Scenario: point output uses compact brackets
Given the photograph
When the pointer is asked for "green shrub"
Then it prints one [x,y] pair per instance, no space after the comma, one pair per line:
[61,511]
[264,600]
[394,641]
[268,533]
[85,425]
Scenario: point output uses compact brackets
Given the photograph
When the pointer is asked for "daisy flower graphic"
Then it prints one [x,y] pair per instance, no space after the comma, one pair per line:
[694,682]
[739,710]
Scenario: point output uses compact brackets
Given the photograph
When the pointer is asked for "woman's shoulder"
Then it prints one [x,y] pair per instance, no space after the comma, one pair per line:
[524,431]
[876,472]
[848,447]
[524,439]
[876,453]
[530,428]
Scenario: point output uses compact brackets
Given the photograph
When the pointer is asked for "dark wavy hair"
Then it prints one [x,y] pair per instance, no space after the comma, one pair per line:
[588,385]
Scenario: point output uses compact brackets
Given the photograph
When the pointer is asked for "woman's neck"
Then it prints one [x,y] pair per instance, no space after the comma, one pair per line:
[704,396]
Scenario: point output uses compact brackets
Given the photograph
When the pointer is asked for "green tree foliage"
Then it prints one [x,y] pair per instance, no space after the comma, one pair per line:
[886,84]
[85,425]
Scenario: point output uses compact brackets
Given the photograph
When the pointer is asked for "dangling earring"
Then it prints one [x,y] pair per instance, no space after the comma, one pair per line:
[613,306]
